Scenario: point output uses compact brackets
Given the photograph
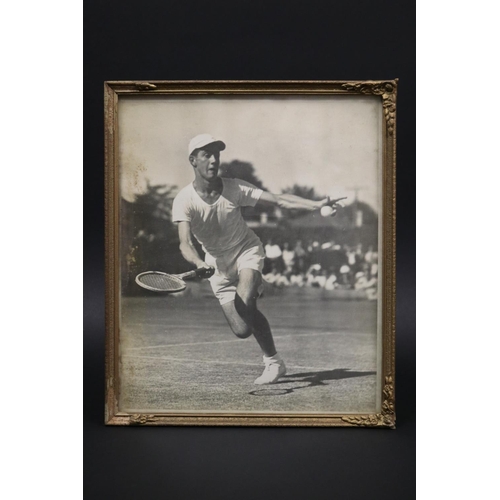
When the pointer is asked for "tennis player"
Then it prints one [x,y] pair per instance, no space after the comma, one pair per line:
[209,209]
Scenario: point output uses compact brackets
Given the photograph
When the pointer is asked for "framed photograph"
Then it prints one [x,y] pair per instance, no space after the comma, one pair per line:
[250,253]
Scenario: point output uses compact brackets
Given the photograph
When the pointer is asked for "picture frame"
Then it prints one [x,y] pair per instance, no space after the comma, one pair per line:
[132,111]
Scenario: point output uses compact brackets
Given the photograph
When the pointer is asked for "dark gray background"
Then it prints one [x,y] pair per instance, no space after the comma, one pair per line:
[127,40]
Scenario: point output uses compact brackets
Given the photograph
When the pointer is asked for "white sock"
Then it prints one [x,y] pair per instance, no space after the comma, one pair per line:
[271,359]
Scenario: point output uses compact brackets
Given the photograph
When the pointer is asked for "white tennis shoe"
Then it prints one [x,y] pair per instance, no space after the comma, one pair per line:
[274,369]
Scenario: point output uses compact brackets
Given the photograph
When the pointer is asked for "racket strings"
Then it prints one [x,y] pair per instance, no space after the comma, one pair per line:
[161,282]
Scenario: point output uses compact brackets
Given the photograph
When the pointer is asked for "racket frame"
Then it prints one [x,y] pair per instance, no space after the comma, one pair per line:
[182,284]
[188,275]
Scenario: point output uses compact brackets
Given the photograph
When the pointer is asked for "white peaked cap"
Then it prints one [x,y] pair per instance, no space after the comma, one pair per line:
[204,140]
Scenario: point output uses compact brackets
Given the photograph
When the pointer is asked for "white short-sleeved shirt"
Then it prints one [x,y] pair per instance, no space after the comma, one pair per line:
[218,227]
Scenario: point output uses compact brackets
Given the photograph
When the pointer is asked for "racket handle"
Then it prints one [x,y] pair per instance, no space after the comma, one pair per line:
[202,272]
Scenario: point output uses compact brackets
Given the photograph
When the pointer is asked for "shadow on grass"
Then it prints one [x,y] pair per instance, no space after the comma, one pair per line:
[311,379]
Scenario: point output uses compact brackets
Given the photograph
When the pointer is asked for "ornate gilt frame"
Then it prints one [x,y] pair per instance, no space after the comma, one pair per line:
[387,91]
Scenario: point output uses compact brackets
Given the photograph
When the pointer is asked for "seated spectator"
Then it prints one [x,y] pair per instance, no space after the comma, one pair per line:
[371,289]
[273,251]
[272,275]
[331,282]
[312,275]
[276,279]
[337,259]
[374,265]
[351,255]
[354,259]
[297,280]
[345,274]
[368,285]
[369,255]
[281,281]
[300,257]
[360,281]
[288,257]
[321,279]
[273,257]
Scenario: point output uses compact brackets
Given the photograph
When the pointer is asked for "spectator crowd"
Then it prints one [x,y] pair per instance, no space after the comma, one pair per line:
[328,266]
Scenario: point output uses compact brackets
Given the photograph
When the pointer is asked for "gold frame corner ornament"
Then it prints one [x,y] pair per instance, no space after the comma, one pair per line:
[384,89]
[387,90]
[386,418]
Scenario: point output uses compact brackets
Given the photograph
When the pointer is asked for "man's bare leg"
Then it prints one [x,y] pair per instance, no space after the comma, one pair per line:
[243,316]
[244,319]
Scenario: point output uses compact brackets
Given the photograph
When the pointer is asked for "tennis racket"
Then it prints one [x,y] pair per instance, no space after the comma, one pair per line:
[156,281]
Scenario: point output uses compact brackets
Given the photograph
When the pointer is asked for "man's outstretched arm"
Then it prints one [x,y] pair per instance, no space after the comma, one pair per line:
[292,201]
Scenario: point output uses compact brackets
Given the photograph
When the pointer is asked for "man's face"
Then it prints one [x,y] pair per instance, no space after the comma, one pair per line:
[207,161]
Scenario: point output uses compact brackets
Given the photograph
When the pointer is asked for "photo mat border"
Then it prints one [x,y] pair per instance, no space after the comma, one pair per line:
[386,90]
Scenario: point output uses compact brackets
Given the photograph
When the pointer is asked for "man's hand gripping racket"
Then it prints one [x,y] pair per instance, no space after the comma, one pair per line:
[156,281]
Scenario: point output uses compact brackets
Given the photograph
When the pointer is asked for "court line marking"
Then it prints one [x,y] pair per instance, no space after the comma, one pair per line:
[220,362]
[135,325]
[223,326]
[239,340]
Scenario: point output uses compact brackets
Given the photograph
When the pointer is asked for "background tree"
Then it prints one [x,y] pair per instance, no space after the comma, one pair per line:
[309,193]
[152,212]
[149,238]
[303,191]
[241,170]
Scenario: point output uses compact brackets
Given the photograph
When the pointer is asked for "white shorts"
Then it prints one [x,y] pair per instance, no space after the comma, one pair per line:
[228,267]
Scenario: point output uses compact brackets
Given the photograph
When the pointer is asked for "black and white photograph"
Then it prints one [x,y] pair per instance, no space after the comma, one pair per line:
[249,256]
[286,100]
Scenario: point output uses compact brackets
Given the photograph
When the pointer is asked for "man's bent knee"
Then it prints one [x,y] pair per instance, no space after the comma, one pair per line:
[242,331]
[240,327]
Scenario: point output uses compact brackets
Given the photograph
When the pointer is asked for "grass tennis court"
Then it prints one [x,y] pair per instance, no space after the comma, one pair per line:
[178,354]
